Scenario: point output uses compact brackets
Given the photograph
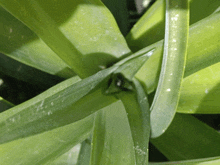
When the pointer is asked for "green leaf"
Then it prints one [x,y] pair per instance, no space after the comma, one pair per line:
[60,105]
[138,112]
[112,141]
[85,152]
[151,27]
[206,161]
[203,51]
[119,9]
[69,158]
[20,71]
[200,92]
[188,138]
[20,43]
[82,46]
[167,94]
[45,147]
[4,104]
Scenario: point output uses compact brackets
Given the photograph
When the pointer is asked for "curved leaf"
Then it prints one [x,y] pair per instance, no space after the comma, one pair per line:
[20,71]
[69,158]
[79,44]
[206,161]
[56,107]
[200,92]
[150,28]
[112,141]
[138,112]
[188,138]
[4,104]
[166,98]
[20,43]
[45,147]
[203,51]
[85,152]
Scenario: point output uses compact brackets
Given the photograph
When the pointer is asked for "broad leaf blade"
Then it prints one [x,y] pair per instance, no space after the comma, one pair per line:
[45,147]
[60,105]
[200,92]
[85,152]
[150,28]
[20,43]
[203,51]
[188,138]
[20,71]
[69,158]
[75,41]
[113,143]
[4,104]
[138,112]
[166,98]
[206,161]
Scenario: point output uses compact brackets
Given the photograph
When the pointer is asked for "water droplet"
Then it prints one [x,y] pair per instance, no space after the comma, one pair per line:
[206,91]
[102,66]
[149,53]
[94,39]
[119,83]
[168,90]
[174,18]
[1,82]
[52,103]
[174,40]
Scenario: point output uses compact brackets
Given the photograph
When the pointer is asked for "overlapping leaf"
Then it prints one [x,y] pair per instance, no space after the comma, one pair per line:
[45,147]
[56,107]
[151,27]
[200,92]
[207,161]
[66,29]
[167,94]
[112,140]
[203,51]
[138,112]
[188,138]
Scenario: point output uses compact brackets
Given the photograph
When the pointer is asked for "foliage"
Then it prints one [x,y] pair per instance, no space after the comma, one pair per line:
[113,94]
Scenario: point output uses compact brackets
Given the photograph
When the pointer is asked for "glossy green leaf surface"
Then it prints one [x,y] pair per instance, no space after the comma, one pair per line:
[45,147]
[85,152]
[120,12]
[167,94]
[207,161]
[138,112]
[150,28]
[73,39]
[20,43]
[200,92]
[69,158]
[203,51]
[20,71]
[4,104]
[112,140]
[188,138]
[56,107]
